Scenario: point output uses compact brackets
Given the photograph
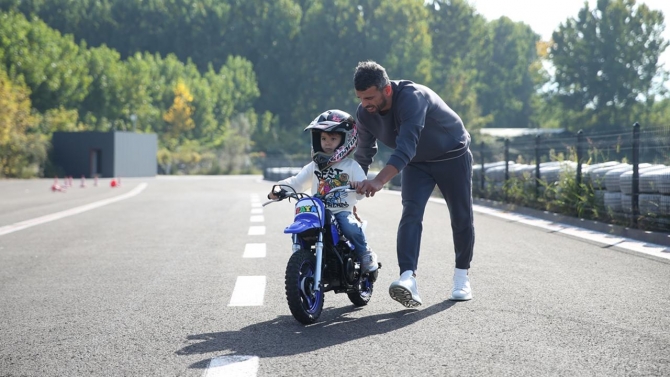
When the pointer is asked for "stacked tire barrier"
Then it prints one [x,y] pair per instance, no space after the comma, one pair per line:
[279,173]
[612,183]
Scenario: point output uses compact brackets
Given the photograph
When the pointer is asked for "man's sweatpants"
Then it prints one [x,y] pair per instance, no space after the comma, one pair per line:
[454,179]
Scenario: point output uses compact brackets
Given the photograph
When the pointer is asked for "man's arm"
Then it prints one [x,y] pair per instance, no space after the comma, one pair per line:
[370,186]
[366,149]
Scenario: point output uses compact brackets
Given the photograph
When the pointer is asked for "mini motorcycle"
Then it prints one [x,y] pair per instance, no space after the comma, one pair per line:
[323,259]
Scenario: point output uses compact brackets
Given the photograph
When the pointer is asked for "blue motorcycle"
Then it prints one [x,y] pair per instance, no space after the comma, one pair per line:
[323,259]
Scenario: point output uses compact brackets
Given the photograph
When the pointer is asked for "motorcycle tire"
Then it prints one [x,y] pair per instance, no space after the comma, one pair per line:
[363,296]
[304,302]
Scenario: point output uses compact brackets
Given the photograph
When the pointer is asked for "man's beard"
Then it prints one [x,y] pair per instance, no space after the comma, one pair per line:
[378,108]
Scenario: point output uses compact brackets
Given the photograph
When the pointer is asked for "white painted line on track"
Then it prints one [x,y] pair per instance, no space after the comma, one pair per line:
[232,366]
[73,211]
[255,198]
[254,250]
[256,205]
[248,291]
[257,211]
[606,240]
[257,230]
[257,219]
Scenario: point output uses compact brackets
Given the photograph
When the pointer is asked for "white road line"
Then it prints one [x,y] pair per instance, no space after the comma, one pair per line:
[254,250]
[604,239]
[232,366]
[257,211]
[73,211]
[256,205]
[257,230]
[257,219]
[607,240]
[248,291]
[255,198]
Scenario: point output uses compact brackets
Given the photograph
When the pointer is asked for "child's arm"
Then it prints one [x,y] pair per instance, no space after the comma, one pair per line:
[298,181]
[357,177]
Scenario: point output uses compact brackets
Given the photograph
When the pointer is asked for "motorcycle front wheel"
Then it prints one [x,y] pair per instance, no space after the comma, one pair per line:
[304,301]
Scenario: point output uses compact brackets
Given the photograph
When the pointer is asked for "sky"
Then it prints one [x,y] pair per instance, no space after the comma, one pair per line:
[544,16]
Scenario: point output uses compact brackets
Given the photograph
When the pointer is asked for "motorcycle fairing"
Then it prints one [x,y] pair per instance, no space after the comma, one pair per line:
[309,214]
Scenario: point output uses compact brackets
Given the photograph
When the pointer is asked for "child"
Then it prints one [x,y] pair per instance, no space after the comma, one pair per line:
[334,137]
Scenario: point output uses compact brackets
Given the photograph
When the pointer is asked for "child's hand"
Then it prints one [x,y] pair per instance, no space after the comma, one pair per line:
[272,196]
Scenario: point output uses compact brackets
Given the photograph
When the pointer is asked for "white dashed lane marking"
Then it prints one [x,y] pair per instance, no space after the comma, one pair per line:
[237,366]
[248,291]
[254,250]
[257,230]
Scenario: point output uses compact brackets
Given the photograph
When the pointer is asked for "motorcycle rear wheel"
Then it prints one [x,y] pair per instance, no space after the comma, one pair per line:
[363,296]
[304,301]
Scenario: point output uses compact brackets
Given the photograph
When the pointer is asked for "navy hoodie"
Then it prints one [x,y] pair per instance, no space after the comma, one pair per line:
[420,127]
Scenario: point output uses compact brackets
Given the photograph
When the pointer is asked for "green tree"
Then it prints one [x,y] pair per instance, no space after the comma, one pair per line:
[22,150]
[606,60]
[507,84]
[50,64]
[457,33]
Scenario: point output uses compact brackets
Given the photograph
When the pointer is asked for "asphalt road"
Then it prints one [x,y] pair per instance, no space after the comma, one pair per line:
[142,286]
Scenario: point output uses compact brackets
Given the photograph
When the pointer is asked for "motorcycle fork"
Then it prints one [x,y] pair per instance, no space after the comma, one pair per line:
[319,257]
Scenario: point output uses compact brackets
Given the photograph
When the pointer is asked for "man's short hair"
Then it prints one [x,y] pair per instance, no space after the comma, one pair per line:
[369,74]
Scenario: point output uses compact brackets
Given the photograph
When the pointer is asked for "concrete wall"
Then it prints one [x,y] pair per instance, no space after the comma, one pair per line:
[135,154]
[109,154]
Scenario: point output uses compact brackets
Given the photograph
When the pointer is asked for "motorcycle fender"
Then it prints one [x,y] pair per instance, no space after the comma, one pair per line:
[301,226]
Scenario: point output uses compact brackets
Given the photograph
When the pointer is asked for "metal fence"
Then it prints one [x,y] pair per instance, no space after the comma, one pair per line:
[620,177]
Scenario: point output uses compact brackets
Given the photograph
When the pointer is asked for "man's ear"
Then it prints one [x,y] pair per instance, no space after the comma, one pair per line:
[388,90]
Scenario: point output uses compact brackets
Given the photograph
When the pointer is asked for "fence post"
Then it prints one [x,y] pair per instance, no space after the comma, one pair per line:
[506,160]
[481,177]
[580,140]
[537,166]
[636,173]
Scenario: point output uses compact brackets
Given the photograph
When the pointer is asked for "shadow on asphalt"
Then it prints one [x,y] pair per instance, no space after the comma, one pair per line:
[284,336]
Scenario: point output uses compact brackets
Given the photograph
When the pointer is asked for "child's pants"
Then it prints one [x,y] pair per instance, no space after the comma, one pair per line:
[353,231]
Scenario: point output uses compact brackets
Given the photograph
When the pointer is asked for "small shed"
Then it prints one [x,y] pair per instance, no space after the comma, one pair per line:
[105,154]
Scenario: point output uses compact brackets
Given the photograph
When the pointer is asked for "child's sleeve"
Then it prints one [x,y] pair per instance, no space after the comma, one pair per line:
[358,175]
[301,181]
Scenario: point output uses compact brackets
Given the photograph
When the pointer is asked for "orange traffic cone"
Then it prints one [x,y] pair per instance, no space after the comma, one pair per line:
[55,187]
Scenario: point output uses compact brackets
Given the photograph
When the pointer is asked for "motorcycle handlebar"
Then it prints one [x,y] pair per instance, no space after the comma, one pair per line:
[284,194]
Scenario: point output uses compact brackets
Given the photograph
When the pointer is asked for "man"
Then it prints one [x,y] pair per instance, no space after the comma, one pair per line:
[431,147]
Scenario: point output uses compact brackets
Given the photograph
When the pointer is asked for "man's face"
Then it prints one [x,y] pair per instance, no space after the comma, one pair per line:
[375,100]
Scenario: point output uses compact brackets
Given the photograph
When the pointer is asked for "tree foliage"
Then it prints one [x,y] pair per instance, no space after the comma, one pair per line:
[22,150]
[257,72]
[606,60]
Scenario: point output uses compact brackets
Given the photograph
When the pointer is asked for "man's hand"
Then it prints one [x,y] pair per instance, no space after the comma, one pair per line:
[369,187]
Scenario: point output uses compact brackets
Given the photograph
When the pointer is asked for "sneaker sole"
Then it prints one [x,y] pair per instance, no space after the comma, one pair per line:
[466,298]
[404,297]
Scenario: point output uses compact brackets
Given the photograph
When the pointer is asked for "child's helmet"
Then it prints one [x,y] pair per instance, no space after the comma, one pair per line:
[333,121]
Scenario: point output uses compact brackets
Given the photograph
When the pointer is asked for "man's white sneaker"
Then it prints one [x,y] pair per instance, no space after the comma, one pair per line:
[461,290]
[404,290]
